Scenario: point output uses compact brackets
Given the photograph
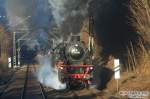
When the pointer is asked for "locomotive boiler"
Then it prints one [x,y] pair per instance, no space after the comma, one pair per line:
[74,63]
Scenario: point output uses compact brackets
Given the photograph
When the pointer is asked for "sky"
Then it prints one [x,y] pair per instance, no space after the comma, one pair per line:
[2,12]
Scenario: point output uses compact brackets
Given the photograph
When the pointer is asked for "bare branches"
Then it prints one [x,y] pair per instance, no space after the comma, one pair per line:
[140,11]
[137,53]
[4,45]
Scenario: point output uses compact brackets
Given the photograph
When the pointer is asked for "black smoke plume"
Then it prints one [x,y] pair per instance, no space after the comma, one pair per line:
[112,27]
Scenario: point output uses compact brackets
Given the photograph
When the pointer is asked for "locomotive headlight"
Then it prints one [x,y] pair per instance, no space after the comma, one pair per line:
[76,45]
[91,67]
[61,67]
[76,52]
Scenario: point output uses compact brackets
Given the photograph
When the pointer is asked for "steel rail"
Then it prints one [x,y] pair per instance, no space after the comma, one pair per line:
[23,94]
[43,92]
[8,83]
[41,88]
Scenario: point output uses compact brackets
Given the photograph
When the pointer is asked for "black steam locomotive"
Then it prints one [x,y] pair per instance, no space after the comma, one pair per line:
[74,63]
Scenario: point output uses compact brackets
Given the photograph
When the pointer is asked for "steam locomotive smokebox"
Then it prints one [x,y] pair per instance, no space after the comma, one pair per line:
[75,38]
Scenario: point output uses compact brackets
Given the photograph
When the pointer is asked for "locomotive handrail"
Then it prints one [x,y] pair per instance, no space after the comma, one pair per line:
[77,66]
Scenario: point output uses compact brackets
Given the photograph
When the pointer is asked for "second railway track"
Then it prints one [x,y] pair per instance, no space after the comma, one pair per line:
[10,79]
[25,86]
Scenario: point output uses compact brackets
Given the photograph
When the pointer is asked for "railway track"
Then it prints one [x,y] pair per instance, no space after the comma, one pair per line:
[25,83]
[43,92]
[26,86]
[8,83]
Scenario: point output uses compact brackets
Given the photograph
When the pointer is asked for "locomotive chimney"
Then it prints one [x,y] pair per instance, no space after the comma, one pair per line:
[91,23]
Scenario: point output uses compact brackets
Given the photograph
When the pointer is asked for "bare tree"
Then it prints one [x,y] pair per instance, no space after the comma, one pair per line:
[4,46]
[140,20]
[140,10]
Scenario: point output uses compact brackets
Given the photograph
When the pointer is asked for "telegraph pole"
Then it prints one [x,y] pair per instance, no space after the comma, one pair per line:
[18,50]
[14,44]
[14,50]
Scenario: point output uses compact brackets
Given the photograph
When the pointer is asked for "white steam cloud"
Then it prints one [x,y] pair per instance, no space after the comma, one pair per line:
[69,13]
[58,10]
[48,75]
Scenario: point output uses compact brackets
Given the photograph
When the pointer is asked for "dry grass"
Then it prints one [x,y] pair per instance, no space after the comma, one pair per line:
[138,55]
[129,82]
[138,58]
[144,65]
[140,10]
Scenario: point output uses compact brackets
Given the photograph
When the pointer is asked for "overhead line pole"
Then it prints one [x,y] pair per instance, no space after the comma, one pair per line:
[14,42]
[14,49]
